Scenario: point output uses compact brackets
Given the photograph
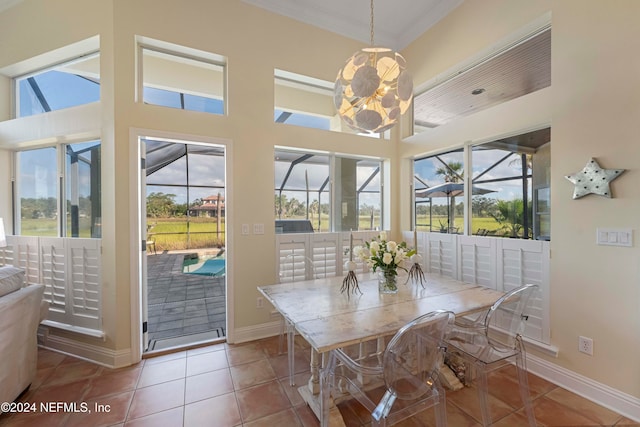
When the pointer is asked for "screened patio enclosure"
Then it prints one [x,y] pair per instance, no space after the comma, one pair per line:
[326,192]
[510,182]
[185,195]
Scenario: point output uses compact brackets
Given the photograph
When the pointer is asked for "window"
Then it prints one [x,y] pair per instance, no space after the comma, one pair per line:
[65,85]
[182,78]
[510,187]
[320,192]
[38,192]
[40,202]
[501,195]
[507,173]
[439,186]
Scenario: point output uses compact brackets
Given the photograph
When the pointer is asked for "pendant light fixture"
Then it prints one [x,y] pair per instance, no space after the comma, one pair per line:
[373,89]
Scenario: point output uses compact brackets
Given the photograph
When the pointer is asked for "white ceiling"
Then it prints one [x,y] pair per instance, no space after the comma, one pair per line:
[396,22]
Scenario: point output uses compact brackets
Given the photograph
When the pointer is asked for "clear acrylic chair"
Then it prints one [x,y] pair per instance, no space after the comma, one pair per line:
[489,341]
[407,369]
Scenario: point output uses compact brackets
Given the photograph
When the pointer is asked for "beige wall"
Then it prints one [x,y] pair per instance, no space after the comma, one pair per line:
[592,104]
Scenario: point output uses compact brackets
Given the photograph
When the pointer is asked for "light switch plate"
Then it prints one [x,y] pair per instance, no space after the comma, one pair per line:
[245,229]
[614,237]
[258,228]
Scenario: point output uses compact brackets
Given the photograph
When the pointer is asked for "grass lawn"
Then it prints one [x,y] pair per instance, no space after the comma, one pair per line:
[48,227]
[171,233]
[487,223]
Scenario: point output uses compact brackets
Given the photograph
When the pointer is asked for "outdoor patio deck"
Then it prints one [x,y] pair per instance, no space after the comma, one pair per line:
[181,304]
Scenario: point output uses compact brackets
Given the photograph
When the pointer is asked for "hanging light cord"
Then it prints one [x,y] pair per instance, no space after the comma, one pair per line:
[371,23]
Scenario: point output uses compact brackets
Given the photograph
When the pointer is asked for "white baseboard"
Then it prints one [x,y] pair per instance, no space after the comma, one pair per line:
[602,394]
[92,353]
[251,333]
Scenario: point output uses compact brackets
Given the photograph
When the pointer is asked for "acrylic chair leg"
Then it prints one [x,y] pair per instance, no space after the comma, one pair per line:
[523,382]
[483,394]
[283,331]
[291,339]
[441,409]
[327,383]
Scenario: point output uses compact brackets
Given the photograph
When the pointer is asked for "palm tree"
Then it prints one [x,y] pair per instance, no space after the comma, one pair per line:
[314,208]
[510,214]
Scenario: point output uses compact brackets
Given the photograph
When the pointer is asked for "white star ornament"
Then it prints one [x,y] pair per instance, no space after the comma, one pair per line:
[593,179]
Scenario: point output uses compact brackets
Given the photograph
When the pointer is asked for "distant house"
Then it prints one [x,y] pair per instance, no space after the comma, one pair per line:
[211,207]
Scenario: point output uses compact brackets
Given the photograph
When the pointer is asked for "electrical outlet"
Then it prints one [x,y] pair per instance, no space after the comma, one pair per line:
[260,302]
[585,345]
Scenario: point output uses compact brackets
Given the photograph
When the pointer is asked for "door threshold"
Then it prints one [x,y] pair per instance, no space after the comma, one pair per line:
[184,347]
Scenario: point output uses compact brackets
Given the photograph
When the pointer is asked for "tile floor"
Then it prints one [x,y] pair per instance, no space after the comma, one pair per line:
[247,385]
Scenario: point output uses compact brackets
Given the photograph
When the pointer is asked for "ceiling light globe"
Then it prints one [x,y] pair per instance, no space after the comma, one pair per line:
[373,89]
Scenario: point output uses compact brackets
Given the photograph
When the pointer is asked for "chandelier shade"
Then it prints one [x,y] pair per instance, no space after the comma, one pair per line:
[373,89]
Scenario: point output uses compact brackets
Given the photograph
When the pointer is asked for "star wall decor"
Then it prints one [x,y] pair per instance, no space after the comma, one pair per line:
[593,179]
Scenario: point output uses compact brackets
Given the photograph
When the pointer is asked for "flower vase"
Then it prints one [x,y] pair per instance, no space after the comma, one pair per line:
[387,281]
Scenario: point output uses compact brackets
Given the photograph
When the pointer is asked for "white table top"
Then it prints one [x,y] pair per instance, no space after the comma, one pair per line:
[328,319]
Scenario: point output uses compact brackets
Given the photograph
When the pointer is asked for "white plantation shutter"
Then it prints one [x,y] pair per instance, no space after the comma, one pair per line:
[304,256]
[83,280]
[70,270]
[523,262]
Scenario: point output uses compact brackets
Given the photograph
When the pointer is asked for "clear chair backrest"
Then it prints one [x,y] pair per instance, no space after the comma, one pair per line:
[414,354]
[507,317]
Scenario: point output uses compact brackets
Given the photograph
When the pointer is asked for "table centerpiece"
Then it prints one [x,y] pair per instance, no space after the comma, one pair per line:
[385,257]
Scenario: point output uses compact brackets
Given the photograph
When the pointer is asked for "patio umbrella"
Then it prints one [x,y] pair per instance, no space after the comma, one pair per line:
[449,190]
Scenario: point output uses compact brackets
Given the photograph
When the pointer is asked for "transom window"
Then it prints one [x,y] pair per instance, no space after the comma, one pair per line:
[179,77]
[65,85]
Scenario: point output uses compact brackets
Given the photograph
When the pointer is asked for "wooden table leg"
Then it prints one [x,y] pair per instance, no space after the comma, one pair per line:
[311,394]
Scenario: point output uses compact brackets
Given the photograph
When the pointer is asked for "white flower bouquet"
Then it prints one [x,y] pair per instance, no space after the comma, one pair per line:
[386,256]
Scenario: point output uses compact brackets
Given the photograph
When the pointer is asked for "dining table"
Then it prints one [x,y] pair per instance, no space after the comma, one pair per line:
[328,318]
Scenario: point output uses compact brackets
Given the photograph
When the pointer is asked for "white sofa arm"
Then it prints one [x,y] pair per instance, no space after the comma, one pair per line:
[20,313]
